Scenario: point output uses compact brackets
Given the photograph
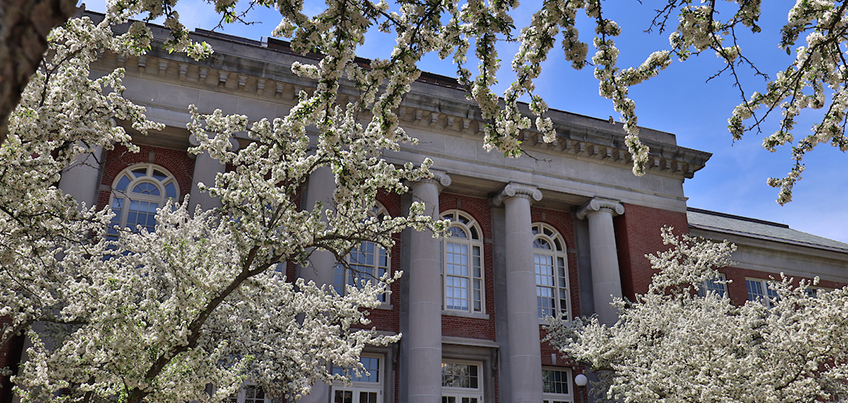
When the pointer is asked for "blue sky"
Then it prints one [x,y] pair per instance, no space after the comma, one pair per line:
[678,101]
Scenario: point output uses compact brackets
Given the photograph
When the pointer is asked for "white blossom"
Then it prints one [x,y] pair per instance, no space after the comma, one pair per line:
[672,345]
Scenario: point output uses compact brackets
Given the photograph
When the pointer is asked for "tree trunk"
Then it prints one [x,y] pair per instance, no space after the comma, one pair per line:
[24,25]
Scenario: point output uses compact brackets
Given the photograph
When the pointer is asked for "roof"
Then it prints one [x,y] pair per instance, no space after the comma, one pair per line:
[759,229]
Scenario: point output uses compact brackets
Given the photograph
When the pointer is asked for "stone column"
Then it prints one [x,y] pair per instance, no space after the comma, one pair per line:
[321,267]
[81,178]
[606,279]
[321,185]
[206,169]
[424,339]
[522,317]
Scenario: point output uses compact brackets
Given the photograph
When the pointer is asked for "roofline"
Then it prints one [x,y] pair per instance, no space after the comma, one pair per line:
[736,217]
[754,235]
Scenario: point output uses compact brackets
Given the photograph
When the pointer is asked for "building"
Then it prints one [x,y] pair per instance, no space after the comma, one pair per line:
[767,249]
[556,234]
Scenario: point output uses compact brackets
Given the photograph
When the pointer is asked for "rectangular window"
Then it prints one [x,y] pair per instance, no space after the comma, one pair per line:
[368,262]
[461,383]
[248,394]
[463,277]
[758,290]
[717,285]
[367,387]
[556,385]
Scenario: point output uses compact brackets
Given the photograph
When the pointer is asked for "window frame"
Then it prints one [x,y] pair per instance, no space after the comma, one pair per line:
[241,395]
[357,387]
[813,290]
[343,277]
[768,295]
[474,242]
[717,284]
[551,397]
[458,392]
[123,191]
[558,253]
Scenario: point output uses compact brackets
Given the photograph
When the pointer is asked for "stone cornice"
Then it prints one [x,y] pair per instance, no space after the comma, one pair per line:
[253,69]
[512,189]
[600,204]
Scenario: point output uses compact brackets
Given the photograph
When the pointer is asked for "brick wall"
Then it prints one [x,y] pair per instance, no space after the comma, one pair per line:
[637,233]
[177,162]
[385,319]
[738,291]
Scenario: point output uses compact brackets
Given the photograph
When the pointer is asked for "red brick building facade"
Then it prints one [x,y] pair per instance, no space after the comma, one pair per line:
[553,235]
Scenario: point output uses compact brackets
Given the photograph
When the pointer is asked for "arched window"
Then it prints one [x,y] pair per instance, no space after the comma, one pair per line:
[462,263]
[369,261]
[551,266]
[136,194]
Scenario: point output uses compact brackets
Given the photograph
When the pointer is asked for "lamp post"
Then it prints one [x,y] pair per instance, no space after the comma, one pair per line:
[580,380]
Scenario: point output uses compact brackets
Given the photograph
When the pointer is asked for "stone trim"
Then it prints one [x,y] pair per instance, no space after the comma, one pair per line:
[261,77]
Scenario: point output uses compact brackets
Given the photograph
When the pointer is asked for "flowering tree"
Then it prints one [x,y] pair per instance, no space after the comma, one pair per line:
[24,25]
[189,311]
[671,345]
[814,80]
[122,318]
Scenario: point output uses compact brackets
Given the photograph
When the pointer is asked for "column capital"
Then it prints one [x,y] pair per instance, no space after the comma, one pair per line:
[440,178]
[512,189]
[597,204]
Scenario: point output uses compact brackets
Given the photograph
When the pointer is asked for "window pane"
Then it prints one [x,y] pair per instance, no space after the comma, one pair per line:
[541,244]
[457,232]
[171,190]
[147,189]
[755,290]
[554,381]
[459,375]
[343,396]
[159,175]
[338,279]
[122,184]
[367,397]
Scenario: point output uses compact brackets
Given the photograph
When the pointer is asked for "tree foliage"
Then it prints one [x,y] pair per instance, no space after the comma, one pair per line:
[189,311]
[672,345]
[122,318]
[815,33]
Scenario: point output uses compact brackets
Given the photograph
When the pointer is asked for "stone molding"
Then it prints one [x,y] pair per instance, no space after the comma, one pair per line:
[261,77]
[531,193]
[597,204]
